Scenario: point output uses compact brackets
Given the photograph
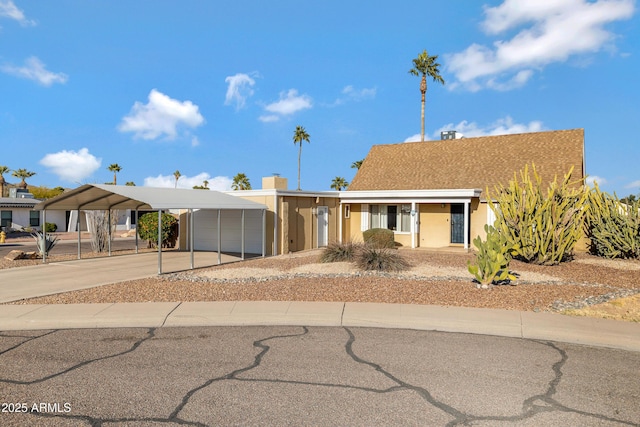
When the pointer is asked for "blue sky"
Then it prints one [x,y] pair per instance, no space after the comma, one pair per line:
[216,88]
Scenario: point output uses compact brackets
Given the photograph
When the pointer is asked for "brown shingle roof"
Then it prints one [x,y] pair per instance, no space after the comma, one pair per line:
[470,162]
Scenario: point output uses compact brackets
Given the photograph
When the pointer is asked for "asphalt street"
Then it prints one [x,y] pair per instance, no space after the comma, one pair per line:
[291,375]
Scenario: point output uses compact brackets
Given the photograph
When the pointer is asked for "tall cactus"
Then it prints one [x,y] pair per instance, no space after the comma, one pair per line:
[543,225]
[613,227]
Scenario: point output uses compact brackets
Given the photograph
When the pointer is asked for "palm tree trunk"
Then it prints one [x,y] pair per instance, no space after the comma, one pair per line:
[299,157]
[423,90]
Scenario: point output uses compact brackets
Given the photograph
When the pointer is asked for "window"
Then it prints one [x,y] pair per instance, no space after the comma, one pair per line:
[6,219]
[392,217]
[34,219]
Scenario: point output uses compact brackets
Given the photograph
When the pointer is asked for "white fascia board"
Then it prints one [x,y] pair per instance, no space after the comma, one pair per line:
[432,196]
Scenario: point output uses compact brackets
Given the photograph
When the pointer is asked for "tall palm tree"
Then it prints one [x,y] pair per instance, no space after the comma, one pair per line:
[177,176]
[339,183]
[22,174]
[357,164]
[3,170]
[241,182]
[299,135]
[115,168]
[206,183]
[425,65]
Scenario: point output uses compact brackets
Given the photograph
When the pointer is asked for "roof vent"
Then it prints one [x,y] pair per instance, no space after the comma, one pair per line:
[451,134]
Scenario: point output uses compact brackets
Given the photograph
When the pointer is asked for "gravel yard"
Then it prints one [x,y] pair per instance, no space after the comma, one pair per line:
[435,278]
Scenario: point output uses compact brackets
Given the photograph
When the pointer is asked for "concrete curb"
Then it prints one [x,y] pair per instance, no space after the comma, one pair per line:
[506,323]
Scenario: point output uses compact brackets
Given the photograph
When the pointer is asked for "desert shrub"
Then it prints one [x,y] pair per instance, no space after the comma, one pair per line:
[543,225]
[379,238]
[44,244]
[380,259]
[98,224]
[148,229]
[492,260]
[612,227]
[339,252]
[50,227]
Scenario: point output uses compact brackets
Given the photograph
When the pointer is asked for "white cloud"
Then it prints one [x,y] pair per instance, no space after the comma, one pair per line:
[239,89]
[9,10]
[590,180]
[416,138]
[503,126]
[352,94]
[289,103]
[634,184]
[72,166]
[160,116]
[218,183]
[35,70]
[549,31]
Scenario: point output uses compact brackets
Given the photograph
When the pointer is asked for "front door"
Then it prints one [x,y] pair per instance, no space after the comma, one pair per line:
[323,226]
[457,223]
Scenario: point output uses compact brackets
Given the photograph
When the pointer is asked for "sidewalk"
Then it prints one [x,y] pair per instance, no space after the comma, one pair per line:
[506,323]
[46,279]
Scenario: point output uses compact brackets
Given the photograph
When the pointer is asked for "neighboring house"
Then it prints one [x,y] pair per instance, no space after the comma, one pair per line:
[433,193]
[17,212]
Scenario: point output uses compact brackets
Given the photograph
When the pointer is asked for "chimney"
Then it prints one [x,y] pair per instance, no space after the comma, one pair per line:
[274,182]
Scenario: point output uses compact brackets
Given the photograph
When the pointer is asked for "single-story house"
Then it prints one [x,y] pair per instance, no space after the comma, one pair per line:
[431,194]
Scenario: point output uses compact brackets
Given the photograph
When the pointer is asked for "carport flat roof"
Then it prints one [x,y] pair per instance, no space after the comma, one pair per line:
[100,196]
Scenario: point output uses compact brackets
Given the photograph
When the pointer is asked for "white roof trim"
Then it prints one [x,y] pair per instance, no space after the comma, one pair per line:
[100,196]
[436,196]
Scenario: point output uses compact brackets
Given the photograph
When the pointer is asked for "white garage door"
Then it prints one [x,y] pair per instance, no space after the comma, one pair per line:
[206,231]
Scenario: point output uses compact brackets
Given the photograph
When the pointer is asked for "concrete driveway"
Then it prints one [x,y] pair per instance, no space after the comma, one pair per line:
[51,278]
[297,376]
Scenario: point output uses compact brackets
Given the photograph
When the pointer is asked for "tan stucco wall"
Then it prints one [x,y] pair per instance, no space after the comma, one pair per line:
[352,232]
[435,225]
[300,223]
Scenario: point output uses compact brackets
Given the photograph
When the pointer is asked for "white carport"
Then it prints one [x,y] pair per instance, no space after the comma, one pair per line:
[222,208]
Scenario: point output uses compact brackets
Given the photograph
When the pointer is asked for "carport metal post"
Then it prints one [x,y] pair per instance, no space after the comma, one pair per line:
[136,230]
[190,225]
[242,237]
[79,237]
[109,228]
[43,244]
[159,242]
[219,240]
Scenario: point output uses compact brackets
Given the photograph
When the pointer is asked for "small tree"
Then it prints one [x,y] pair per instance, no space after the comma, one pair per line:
[98,224]
[339,183]
[357,164]
[177,176]
[148,229]
[22,174]
[241,182]
[115,168]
